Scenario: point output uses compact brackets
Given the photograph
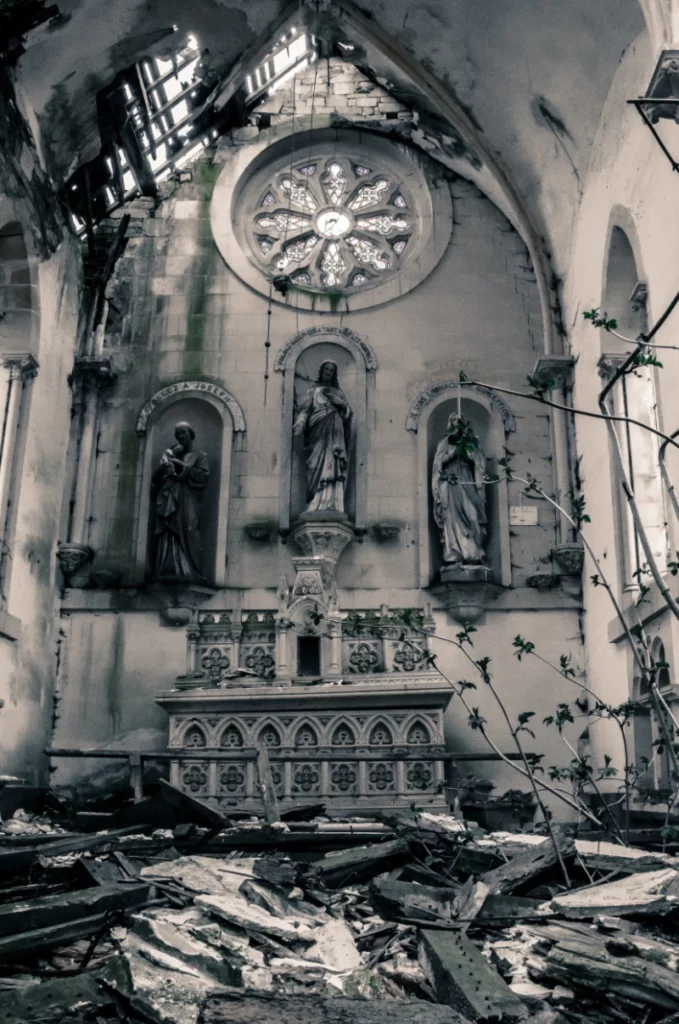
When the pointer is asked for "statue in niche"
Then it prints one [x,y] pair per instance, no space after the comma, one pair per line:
[324,420]
[458,489]
[178,485]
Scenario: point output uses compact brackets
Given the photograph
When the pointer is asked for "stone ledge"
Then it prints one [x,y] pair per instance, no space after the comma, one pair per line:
[10,626]
[263,599]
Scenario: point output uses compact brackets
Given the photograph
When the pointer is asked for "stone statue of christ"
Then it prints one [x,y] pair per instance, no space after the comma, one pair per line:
[324,420]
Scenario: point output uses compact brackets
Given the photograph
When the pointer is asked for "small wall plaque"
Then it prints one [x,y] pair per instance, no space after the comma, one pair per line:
[523,515]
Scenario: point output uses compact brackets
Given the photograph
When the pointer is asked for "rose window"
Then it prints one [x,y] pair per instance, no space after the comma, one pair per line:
[333,224]
[331,218]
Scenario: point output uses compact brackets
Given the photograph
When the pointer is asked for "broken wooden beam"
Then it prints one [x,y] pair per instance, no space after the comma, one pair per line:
[462,978]
[25,857]
[242,1007]
[526,870]
[45,911]
[199,811]
[350,866]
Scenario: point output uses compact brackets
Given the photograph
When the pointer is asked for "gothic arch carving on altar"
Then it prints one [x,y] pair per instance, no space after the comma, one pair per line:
[218,420]
[298,361]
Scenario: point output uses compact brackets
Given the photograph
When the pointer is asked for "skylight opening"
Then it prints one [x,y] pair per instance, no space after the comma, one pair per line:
[294,52]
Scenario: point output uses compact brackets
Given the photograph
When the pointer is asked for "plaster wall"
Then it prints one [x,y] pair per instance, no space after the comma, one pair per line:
[185,315]
[31,637]
[630,185]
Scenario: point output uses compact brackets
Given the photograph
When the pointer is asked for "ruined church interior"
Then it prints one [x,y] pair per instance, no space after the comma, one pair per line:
[337,424]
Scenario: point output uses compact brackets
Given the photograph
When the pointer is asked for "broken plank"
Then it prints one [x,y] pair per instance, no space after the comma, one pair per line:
[650,893]
[25,857]
[64,907]
[199,811]
[238,1007]
[526,870]
[51,1002]
[507,909]
[266,786]
[461,977]
[360,865]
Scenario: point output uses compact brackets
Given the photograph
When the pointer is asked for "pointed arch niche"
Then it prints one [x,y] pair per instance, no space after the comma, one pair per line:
[625,297]
[217,419]
[299,361]
[492,420]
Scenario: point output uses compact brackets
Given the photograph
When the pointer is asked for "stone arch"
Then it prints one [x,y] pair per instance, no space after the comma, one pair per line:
[342,732]
[305,728]
[194,735]
[379,732]
[269,730]
[231,735]
[364,365]
[478,162]
[624,298]
[492,419]
[417,732]
[223,422]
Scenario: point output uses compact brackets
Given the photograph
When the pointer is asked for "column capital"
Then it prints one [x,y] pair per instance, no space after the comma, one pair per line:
[92,373]
[21,365]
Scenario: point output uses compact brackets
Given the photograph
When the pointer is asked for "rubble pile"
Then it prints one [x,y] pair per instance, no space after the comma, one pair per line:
[414,919]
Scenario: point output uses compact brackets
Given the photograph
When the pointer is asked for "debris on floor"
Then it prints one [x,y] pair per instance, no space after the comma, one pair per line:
[417,918]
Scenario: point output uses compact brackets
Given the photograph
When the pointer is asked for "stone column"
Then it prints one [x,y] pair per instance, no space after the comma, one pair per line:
[560,369]
[20,368]
[91,375]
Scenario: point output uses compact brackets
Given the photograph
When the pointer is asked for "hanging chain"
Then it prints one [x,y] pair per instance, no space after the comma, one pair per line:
[267,347]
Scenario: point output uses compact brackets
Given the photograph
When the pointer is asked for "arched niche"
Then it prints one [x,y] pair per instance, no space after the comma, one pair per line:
[19,292]
[216,417]
[625,298]
[491,419]
[299,361]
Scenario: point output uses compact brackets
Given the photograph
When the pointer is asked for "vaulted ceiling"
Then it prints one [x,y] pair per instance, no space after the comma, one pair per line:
[531,76]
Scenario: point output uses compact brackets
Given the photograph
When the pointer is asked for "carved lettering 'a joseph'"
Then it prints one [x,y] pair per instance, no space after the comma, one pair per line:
[178,486]
[325,422]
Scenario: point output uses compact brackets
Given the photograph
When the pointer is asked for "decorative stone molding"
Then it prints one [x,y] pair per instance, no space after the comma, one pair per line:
[453,386]
[187,388]
[559,368]
[92,373]
[330,332]
[322,540]
[73,560]
[375,741]
[21,365]
[543,580]
[570,557]
[466,591]
[639,297]
[387,529]
[610,362]
[259,530]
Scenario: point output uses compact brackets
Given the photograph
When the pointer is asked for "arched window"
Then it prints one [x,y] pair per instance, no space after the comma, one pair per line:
[652,758]
[634,396]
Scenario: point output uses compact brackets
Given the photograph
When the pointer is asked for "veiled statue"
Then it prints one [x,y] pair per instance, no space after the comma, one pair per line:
[324,420]
[459,493]
[179,483]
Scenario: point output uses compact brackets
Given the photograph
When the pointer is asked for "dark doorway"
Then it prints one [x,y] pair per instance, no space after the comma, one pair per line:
[308,656]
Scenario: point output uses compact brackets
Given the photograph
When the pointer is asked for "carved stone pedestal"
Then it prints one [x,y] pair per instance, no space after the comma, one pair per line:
[322,537]
[372,745]
[466,591]
[570,558]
